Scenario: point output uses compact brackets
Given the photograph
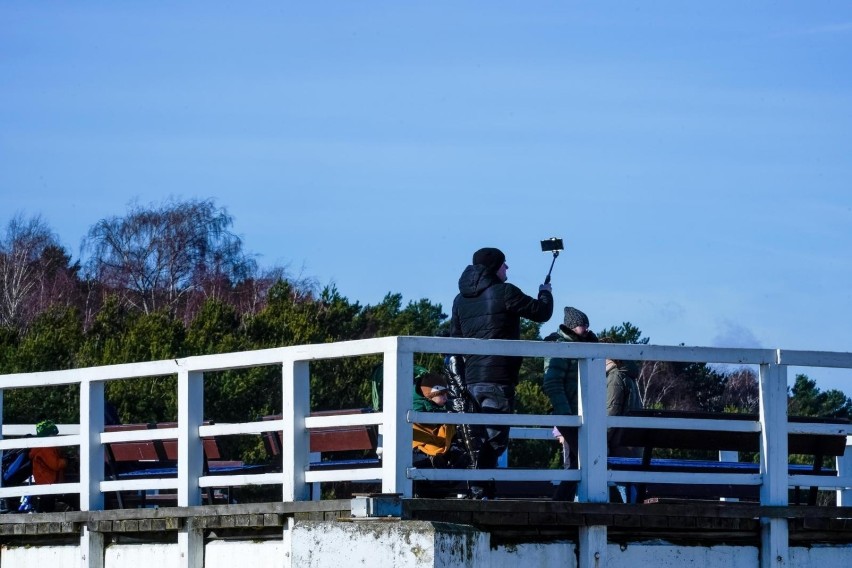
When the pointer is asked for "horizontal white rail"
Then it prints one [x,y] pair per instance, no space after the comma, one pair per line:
[54,489]
[46,442]
[139,435]
[395,472]
[241,480]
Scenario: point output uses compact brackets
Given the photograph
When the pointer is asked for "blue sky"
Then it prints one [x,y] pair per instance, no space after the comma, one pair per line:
[694,157]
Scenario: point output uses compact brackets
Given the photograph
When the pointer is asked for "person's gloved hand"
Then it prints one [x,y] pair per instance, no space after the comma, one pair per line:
[546,287]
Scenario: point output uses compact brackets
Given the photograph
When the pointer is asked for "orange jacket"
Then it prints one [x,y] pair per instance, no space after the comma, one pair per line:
[48,465]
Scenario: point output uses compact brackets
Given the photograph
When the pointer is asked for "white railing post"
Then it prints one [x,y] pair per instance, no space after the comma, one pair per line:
[774,546]
[592,435]
[1,432]
[396,402]
[295,406]
[592,456]
[844,468]
[92,466]
[190,449]
[91,450]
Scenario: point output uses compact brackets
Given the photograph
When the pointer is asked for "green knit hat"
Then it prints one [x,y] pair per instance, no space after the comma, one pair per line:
[46,428]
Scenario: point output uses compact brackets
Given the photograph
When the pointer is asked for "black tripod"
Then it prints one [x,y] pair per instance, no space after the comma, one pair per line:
[462,401]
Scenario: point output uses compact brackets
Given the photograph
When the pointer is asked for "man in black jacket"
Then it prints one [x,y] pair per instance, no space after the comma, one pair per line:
[487,307]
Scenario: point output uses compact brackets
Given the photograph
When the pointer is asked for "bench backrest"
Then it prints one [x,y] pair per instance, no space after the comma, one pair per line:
[806,444]
[332,439]
[152,450]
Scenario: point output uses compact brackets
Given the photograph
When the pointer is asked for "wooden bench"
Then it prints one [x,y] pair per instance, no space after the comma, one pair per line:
[158,458]
[337,447]
[817,445]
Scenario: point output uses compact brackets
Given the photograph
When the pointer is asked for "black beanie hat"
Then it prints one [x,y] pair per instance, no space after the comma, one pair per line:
[574,317]
[490,258]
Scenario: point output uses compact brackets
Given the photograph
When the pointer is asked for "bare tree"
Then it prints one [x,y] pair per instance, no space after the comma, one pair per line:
[742,391]
[156,257]
[35,271]
[658,384]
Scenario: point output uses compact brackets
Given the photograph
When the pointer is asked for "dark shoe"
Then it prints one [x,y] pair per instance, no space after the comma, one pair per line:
[476,492]
[485,491]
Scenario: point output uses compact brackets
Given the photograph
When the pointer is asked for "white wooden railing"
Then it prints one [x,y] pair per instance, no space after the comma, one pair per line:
[395,473]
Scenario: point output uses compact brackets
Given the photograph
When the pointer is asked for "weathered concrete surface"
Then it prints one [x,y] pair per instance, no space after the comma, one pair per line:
[39,557]
[250,554]
[415,544]
[154,555]
[410,544]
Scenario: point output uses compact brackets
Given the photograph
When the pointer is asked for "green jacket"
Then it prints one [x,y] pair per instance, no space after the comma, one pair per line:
[622,396]
[561,375]
[422,404]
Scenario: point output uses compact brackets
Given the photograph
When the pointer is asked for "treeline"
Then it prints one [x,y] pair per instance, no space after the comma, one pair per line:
[173,280]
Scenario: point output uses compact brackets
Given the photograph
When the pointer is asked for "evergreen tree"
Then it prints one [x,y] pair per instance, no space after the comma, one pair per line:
[808,400]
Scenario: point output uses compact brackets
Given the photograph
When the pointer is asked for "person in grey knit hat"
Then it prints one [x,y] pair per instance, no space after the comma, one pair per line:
[560,385]
[575,318]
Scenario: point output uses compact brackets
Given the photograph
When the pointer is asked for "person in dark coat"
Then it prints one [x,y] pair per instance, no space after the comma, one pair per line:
[488,307]
[560,385]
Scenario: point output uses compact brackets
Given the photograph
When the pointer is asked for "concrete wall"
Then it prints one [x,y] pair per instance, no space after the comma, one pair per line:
[415,544]
[39,557]
[411,544]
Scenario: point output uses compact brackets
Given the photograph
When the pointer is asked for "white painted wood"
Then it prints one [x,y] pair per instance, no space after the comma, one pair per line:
[684,423]
[398,353]
[363,474]
[30,429]
[500,474]
[814,358]
[809,428]
[157,483]
[367,419]
[438,345]
[54,489]
[774,537]
[397,394]
[296,406]
[2,431]
[190,449]
[52,441]
[140,435]
[212,430]
[242,479]
[105,373]
[773,438]
[592,433]
[678,478]
[821,481]
[844,470]
[91,450]
[525,433]
[684,354]
[547,420]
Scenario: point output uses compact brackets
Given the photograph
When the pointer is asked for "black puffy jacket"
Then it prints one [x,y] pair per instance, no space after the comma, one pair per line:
[487,308]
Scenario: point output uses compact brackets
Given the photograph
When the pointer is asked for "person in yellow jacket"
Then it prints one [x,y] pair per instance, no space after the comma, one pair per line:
[433,443]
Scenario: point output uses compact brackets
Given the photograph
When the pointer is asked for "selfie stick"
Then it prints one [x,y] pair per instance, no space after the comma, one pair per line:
[547,279]
[553,245]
